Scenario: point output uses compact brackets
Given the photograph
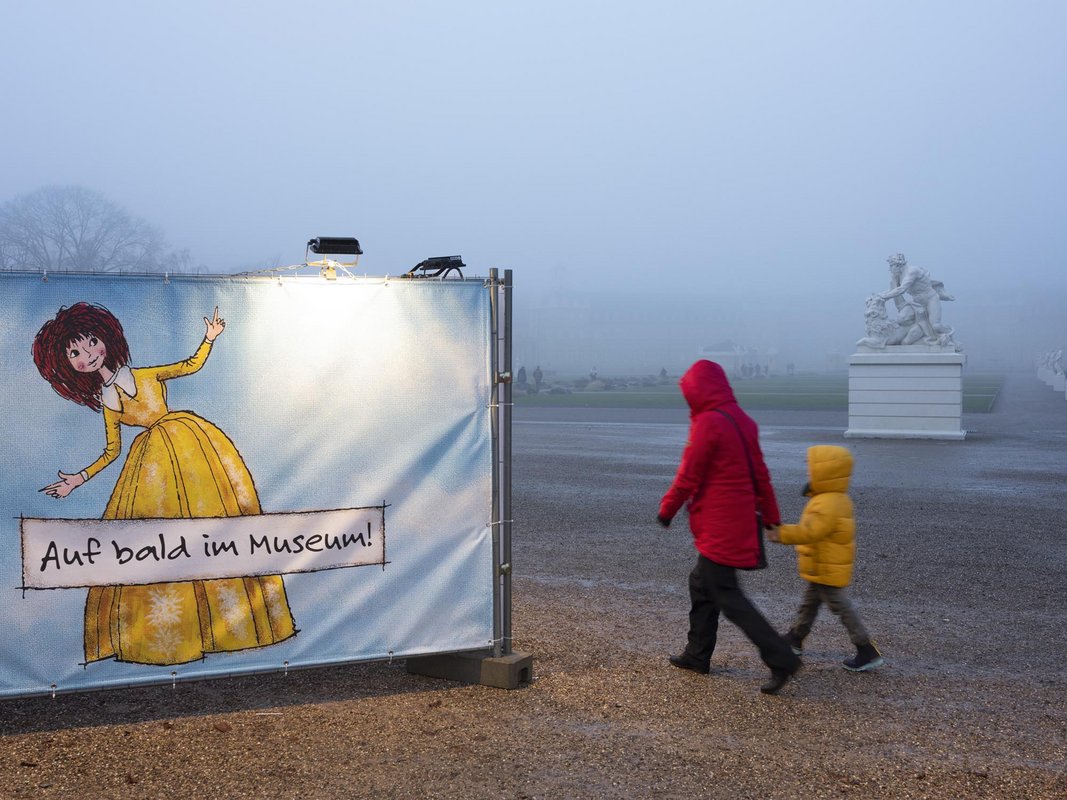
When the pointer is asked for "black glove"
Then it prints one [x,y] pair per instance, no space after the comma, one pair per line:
[664,521]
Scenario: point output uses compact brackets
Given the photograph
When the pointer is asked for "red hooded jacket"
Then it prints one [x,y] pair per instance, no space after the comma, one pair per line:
[714,477]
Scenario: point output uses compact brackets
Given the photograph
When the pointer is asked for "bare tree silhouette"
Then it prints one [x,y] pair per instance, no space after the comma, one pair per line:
[71,228]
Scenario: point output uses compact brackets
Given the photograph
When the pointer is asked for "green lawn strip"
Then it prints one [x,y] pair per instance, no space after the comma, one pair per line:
[814,393]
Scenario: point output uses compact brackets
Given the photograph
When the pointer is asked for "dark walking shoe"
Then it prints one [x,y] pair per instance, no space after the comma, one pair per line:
[795,642]
[779,678]
[867,657]
[686,661]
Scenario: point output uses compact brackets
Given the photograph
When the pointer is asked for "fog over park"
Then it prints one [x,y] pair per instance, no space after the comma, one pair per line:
[660,177]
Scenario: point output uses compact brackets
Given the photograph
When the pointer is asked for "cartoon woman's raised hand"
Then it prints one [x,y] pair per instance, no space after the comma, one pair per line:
[64,486]
[215,326]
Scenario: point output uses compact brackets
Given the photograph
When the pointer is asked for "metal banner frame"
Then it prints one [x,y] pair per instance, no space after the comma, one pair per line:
[499,408]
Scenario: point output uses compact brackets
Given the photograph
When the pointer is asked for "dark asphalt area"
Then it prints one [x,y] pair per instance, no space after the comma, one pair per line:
[961,576]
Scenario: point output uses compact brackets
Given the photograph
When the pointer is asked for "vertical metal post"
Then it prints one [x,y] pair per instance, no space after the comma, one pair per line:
[494,424]
[505,474]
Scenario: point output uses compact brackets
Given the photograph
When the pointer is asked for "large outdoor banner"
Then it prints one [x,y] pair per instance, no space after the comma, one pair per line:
[207,476]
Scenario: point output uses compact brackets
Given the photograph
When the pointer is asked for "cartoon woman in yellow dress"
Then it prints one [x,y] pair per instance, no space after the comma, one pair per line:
[181,465]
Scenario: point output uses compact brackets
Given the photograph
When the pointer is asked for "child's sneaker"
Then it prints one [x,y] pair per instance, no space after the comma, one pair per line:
[867,657]
[795,642]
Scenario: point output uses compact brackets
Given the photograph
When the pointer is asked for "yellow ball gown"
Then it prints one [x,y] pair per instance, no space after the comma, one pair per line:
[180,466]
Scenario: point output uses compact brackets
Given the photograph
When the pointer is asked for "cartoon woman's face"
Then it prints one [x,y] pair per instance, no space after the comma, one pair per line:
[86,354]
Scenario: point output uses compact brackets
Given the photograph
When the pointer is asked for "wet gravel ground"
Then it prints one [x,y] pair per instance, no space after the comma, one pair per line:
[960,577]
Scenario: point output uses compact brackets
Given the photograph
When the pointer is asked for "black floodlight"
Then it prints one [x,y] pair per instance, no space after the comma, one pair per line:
[337,245]
[437,267]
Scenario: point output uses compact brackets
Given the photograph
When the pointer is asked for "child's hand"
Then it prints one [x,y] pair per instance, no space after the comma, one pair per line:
[772,533]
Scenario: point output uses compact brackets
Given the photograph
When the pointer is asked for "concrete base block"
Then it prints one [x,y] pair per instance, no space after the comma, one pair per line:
[861,433]
[505,672]
[904,393]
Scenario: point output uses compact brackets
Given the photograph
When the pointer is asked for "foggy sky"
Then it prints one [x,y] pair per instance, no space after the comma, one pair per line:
[761,149]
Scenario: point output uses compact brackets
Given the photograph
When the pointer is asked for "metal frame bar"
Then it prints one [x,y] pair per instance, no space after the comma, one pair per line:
[500,357]
[495,425]
[505,475]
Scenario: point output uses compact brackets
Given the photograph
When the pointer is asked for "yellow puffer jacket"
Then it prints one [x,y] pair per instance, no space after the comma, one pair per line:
[826,535]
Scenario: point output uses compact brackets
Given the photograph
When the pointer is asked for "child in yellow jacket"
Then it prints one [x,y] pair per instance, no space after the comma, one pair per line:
[825,540]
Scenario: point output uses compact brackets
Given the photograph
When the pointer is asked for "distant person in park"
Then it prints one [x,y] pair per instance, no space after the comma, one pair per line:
[663,372]
[522,376]
[825,540]
[724,480]
[538,377]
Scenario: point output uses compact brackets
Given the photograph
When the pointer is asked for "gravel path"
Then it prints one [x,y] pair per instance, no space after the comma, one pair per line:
[960,577]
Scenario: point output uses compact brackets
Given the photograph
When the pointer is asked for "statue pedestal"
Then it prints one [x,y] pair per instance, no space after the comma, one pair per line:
[905,392]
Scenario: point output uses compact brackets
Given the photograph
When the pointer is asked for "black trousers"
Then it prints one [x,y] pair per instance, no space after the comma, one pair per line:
[713,588]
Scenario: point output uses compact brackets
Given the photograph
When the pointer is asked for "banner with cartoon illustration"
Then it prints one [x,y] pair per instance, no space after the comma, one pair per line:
[207,476]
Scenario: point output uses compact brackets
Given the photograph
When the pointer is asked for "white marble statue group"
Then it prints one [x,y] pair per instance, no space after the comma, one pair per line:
[1053,361]
[917,298]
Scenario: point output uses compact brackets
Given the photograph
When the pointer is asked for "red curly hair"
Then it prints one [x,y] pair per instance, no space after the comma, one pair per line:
[56,336]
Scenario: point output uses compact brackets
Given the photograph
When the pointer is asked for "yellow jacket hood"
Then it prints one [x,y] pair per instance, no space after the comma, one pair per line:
[829,468]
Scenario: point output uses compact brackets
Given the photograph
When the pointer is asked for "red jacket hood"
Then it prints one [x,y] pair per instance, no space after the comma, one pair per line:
[706,387]
[722,477]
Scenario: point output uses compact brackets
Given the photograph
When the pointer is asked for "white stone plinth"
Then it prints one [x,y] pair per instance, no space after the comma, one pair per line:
[905,392]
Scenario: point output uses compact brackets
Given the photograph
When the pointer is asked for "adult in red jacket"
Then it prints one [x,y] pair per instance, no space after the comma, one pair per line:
[721,462]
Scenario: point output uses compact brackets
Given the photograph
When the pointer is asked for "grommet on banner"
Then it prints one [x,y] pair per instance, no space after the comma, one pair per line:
[53,691]
[173,680]
[285,666]
[44,276]
[390,656]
